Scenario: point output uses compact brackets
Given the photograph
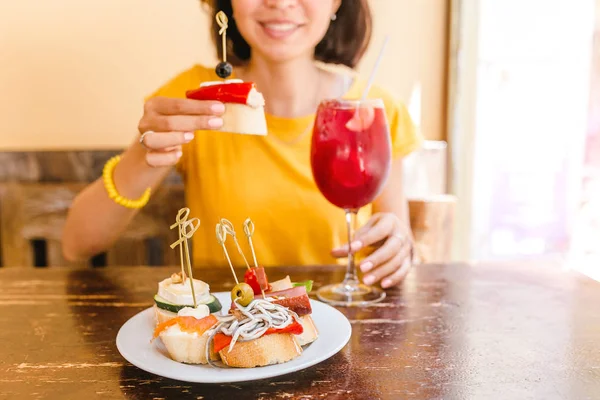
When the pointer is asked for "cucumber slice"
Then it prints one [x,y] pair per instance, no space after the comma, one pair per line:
[214,305]
[308,284]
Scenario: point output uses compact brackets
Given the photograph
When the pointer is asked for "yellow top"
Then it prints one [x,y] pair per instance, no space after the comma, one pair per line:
[237,176]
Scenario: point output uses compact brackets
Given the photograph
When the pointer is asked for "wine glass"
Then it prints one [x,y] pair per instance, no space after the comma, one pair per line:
[350,160]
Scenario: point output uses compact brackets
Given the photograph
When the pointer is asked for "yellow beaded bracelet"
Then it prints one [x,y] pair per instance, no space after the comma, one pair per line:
[109,185]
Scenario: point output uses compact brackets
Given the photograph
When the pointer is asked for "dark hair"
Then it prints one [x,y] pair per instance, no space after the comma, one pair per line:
[344,43]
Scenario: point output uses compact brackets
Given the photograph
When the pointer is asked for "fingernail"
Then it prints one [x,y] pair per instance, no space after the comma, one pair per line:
[356,245]
[218,108]
[215,122]
[386,283]
[366,266]
[179,153]
[188,136]
[369,279]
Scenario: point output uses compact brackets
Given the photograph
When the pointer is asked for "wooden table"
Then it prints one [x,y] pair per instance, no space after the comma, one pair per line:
[502,331]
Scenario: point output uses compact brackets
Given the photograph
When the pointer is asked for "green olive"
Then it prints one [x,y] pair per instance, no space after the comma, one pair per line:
[243,293]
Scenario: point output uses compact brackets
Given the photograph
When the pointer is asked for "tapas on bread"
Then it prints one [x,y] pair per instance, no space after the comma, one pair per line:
[181,294]
[182,302]
[266,323]
[244,105]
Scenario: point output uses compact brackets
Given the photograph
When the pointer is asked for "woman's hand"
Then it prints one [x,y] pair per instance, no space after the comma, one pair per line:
[168,123]
[392,259]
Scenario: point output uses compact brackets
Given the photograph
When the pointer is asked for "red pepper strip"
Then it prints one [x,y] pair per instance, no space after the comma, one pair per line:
[221,340]
[251,279]
[294,328]
[226,92]
[257,278]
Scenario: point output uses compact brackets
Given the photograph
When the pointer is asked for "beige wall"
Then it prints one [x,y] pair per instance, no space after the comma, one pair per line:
[73,72]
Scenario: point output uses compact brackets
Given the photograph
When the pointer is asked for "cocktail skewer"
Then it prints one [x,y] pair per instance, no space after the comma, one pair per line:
[231,231]
[223,69]
[186,231]
[221,237]
[182,216]
[249,231]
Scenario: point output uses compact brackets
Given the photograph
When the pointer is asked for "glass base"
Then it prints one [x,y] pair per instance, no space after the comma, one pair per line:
[350,294]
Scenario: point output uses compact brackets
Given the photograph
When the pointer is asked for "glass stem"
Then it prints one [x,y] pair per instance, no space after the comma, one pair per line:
[351,277]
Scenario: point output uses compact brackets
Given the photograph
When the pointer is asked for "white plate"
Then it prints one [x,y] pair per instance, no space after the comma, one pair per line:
[133,342]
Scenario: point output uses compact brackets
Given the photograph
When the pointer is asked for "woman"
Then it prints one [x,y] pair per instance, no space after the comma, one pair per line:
[275,44]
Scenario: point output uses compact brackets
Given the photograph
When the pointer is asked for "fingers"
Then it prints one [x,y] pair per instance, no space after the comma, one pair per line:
[163,114]
[174,106]
[388,267]
[392,259]
[181,123]
[397,277]
[392,246]
[342,251]
[372,221]
[170,123]
[165,140]
[381,228]
[373,233]
[164,158]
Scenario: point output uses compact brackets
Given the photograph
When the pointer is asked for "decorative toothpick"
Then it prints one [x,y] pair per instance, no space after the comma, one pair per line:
[228,226]
[186,231]
[223,22]
[221,237]
[249,231]
[181,218]
[224,69]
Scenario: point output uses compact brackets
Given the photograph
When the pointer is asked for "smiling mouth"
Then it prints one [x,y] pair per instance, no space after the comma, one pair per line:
[279,29]
[280,26]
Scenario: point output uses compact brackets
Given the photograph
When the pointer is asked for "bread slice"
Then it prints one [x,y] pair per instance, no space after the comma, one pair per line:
[309,333]
[244,119]
[282,284]
[270,349]
[186,347]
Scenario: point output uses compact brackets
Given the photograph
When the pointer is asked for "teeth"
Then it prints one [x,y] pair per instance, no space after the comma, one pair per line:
[281,27]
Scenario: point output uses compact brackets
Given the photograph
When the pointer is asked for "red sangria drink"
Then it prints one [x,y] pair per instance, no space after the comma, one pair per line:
[350,160]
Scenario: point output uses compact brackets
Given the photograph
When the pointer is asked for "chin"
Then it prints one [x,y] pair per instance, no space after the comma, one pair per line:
[280,56]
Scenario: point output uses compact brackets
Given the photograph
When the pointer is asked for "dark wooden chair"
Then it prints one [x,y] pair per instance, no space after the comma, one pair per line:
[32,218]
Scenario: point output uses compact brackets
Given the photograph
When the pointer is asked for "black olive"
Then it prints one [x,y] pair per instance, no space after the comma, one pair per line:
[224,69]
